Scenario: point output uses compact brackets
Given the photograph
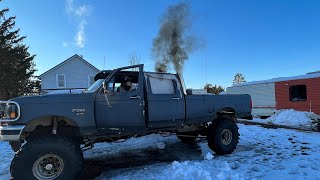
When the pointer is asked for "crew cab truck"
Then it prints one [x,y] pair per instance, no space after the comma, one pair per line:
[49,132]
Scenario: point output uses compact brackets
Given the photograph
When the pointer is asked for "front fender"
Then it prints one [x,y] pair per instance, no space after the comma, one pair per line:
[76,107]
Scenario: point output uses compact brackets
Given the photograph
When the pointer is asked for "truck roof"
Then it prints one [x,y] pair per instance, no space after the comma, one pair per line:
[104,73]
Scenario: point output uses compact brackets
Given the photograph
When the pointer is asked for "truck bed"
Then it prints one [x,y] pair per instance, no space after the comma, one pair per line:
[204,108]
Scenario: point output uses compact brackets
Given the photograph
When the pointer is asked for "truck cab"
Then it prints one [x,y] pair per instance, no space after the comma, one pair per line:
[156,101]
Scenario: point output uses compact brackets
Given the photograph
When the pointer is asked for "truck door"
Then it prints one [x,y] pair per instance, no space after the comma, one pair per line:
[166,106]
[118,109]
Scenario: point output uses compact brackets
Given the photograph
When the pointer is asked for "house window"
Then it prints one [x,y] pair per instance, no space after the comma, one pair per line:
[61,80]
[298,93]
[90,80]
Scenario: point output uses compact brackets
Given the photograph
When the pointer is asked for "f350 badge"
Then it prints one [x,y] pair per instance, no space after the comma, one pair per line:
[79,111]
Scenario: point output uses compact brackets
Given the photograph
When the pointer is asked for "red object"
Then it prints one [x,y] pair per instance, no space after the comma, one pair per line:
[3,123]
[312,102]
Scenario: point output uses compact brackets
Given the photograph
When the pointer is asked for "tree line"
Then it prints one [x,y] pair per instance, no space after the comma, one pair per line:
[217,89]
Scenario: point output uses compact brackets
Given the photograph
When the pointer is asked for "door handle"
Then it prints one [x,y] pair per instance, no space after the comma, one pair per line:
[135,97]
[175,98]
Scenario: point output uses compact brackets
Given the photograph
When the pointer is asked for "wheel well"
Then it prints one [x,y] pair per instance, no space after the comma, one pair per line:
[227,112]
[44,126]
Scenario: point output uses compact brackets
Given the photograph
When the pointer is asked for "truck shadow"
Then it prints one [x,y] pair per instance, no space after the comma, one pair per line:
[113,164]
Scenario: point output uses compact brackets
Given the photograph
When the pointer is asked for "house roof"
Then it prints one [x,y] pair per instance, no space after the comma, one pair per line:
[280,79]
[67,60]
[314,72]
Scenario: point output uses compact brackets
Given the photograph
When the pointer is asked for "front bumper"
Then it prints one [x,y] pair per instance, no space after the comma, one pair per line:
[11,133]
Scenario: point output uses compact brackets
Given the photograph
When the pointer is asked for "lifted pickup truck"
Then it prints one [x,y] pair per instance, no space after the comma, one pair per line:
[49,132]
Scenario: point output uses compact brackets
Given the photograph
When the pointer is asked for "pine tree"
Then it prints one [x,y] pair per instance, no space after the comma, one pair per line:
[16,63]
[213,89]
[239,78]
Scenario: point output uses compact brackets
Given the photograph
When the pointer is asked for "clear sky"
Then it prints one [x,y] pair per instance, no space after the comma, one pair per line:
[260,38]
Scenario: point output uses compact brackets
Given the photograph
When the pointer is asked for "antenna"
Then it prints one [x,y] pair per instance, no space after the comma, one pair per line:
[206,65]
[206,32]
[104,62]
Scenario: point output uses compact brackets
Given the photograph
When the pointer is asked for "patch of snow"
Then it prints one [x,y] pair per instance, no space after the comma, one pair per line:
[292,118]
[151,140]
[6,157]
[209,156]
[161,145]
[189,170]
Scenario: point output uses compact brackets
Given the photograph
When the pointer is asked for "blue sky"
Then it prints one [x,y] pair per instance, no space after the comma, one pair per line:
[261,39]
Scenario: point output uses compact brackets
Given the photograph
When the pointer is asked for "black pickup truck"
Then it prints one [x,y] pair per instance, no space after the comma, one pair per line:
[49,132]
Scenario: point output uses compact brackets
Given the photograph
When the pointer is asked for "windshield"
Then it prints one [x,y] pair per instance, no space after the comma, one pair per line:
[95,85]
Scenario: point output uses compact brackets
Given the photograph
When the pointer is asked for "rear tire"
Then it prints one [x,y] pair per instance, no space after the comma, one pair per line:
[223,136]
[49,157]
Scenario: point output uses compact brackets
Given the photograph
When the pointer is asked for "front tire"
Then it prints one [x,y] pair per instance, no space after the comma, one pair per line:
[49,157]
[15,145]
[223,136]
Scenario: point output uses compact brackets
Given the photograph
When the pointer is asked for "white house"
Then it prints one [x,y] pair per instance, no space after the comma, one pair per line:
[73,73]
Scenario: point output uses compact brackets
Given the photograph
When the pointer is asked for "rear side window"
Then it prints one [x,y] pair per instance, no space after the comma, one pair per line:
[298,93]
[161,85]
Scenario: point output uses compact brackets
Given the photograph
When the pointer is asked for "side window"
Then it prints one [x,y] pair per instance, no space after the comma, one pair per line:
[298,93]
[162,86]
[124,82]
[61,80]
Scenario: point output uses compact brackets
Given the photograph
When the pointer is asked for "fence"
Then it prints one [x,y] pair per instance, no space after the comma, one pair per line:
[62,91]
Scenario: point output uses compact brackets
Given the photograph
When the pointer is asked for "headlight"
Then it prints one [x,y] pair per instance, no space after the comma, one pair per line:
[9,111]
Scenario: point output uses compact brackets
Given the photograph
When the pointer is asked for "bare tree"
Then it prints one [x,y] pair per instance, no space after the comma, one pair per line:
[134,59]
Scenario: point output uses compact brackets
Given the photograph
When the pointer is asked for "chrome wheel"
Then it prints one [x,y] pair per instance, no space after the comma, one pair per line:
[226,136]
[48,166]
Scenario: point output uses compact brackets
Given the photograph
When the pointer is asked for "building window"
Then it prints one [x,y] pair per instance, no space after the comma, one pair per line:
[90,80]
[298,93]
[61,80]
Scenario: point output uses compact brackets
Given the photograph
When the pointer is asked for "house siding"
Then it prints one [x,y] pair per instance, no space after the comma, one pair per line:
[312,102]
[76,72]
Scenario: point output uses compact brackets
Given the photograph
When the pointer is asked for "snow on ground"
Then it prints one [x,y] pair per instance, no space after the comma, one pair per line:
[5,160]
[261,154]
[292,118]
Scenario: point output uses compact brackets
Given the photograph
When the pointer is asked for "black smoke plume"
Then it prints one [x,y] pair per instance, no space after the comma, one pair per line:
[174,42]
